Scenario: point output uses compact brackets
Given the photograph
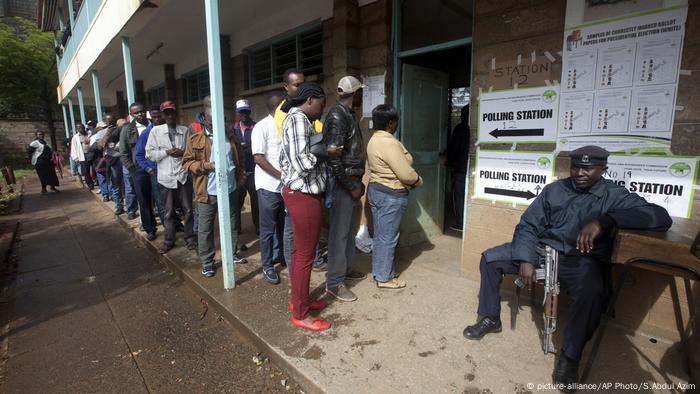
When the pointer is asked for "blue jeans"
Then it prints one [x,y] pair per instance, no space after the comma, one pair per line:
[129,192]
[155,192]
[288,243]
[271,211]
[387,211]
[101,181]
[116,175]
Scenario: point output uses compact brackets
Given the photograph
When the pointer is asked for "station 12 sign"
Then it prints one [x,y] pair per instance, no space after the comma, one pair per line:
[519,115]
[668,181]
[512,177]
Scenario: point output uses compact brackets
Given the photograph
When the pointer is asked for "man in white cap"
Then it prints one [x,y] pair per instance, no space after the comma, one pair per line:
[244,131]
[341,128]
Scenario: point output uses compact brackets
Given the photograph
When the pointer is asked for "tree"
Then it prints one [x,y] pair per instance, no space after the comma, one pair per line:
[28,74]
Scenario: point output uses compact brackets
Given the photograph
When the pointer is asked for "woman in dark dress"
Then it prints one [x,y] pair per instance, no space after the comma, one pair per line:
[41,160]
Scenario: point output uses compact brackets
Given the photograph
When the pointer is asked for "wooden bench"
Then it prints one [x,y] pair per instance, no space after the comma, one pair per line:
[666,253]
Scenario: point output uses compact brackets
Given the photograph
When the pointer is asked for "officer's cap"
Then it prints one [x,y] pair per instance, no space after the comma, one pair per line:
[589,155]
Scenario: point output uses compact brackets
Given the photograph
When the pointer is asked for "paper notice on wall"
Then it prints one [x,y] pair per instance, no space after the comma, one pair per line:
[373,95]
[668,181]
[627,58]
[512,177]
[519,115]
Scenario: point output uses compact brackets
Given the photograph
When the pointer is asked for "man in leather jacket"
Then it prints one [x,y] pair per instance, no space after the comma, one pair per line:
[342,129]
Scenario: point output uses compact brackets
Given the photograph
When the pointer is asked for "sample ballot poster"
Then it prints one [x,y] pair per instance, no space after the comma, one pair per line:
[668,181]
[512,177]
[519,115]
[620,74]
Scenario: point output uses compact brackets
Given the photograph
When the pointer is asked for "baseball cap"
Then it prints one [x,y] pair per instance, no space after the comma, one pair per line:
[167,105]
[349,84]
[101,125]
[242,105]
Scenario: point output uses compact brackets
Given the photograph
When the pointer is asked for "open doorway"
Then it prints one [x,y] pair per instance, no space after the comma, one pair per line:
[434,90]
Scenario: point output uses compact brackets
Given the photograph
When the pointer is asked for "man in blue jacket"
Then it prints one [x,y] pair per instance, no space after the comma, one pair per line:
[147,165]
[574,216]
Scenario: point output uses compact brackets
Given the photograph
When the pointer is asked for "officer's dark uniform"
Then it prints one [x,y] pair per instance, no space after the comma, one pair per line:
[555,218]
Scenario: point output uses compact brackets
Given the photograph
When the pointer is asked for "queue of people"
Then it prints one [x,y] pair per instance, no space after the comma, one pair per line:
[292,167]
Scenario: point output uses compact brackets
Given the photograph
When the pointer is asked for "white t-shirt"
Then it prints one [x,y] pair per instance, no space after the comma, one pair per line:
[266,141]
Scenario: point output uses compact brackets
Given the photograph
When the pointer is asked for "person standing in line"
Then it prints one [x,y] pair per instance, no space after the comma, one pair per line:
[77,156]
[304,180]
[291,80]
[199,160]
[84,141]
[341,128]
[149,166]
[41,153]
[244,132]
[142,180]
[266,145]
[391,178]
[96,154]
[115,174]
[166,146]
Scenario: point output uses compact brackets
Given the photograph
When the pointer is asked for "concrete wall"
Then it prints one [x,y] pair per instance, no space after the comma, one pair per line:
[503,30]
[16,134]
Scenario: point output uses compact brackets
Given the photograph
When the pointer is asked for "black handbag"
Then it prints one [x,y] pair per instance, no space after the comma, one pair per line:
[318,147]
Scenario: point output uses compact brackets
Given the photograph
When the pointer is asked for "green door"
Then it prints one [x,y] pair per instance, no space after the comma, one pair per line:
[423,131]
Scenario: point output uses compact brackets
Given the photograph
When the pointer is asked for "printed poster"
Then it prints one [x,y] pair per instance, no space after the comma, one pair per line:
[519,115]
[512,177]
[626,57]
[668,181]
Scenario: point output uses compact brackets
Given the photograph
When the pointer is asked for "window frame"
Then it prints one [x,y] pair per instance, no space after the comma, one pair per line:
[273,76]
[195,74]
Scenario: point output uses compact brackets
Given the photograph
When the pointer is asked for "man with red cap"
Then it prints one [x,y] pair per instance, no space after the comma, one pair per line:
[166,145]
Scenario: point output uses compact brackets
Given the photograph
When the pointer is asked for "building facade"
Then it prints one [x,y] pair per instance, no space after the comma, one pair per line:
[428,58]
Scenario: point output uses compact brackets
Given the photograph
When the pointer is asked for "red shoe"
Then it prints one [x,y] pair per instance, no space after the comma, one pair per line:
[316,305]
[318,324]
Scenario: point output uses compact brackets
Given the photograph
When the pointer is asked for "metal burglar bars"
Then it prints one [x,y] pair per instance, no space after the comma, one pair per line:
[211,11]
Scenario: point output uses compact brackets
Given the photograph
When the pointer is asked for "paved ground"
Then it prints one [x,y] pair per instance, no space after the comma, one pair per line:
[93,311]
[410,340]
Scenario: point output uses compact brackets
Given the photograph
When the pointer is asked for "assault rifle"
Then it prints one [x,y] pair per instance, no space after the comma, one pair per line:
[547,272]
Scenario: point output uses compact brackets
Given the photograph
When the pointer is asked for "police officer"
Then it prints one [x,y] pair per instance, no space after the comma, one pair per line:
[574,216]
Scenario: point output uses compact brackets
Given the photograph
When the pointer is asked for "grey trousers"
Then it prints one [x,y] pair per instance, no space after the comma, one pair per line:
[171,198]
[343,217]
[207,218]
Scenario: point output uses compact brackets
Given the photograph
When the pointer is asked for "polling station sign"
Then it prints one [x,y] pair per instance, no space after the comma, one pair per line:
[668,181]
[512,177]
[519,115]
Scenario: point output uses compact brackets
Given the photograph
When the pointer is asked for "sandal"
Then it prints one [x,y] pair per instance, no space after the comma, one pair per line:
[191,246]
[318,324]
[392,284]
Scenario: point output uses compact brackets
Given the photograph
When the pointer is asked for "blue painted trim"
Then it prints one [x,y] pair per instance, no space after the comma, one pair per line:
[72,114]
[81,105]
[128,73]
[96,90]
[65,121]
[216,88]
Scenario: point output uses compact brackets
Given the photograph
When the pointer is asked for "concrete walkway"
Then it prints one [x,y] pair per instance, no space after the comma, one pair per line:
[410,340]
[92,311]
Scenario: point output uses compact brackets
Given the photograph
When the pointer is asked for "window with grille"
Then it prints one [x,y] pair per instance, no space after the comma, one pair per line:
[155,95]
[196,85]
[302,51]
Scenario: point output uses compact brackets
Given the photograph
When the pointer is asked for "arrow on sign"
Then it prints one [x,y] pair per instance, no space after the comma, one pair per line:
[510,193]
[516,132]
[537,190]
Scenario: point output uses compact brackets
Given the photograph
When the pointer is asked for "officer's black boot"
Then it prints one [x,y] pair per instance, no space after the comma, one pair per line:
[565,374]
[485,326]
